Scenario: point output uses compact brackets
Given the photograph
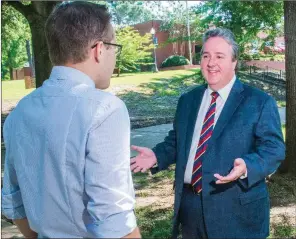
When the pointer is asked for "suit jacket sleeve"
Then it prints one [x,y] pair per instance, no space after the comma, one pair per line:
[166,151]
[269,146]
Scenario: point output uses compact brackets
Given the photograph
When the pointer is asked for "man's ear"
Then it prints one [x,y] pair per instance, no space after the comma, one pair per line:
[235,64]
[98,51]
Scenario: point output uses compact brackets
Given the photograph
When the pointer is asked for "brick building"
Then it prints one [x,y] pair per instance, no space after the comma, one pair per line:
[163,51]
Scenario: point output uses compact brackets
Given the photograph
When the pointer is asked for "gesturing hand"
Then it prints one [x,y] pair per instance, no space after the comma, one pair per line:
[144,160]
[239,169]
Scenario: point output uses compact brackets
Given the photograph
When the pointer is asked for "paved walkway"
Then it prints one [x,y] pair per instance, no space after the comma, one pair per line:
[147,137]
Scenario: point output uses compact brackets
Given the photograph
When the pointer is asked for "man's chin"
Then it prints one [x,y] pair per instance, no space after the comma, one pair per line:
[103,86]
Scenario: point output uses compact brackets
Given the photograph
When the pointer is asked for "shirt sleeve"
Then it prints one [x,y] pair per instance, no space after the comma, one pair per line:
[12,203]
[108,179]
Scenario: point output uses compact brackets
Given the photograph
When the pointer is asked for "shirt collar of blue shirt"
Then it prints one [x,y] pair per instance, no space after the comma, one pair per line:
[69,73]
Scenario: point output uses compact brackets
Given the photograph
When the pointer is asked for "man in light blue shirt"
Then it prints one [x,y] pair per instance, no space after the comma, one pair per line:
[67,164]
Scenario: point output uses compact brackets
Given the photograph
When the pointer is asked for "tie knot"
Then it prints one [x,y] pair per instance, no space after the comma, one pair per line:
[215,95]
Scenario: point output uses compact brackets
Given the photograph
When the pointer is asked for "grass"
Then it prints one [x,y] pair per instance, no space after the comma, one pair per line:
[137,79]
[281,103]
[15,90]
[156,222]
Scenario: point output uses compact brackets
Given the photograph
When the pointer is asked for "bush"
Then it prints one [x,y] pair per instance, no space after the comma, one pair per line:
[256,57]
[175,61]
[246,57]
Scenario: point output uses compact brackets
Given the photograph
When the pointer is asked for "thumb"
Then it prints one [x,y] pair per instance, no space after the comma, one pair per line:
[138,148]
[238,162]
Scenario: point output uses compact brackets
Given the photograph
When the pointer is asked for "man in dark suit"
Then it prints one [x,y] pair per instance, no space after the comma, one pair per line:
[222,128]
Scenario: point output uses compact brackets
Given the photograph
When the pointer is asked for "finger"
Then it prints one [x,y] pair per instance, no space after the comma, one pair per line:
[138,169]
[222,182]
[133,160]
[230,177]
[137,148]
[218,176]
[133,166]
[144,170]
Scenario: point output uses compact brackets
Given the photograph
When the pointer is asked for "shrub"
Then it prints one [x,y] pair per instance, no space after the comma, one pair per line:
[256,57]
[175,61]
[246,57]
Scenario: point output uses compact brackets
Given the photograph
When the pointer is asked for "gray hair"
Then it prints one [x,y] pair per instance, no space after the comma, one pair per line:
[73,27]
[227,35]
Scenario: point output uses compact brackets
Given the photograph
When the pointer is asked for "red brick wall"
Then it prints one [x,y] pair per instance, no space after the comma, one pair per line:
[163,52]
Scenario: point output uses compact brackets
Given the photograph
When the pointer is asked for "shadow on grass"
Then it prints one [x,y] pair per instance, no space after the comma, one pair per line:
[282,190]
[145,180]
[159,97]
[155,223]
[276,91]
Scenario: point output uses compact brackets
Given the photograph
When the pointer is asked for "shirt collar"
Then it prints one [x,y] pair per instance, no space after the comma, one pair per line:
[224,92]
[72,74]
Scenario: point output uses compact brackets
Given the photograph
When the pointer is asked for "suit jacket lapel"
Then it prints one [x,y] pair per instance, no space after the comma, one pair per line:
[194,108]
[234,99]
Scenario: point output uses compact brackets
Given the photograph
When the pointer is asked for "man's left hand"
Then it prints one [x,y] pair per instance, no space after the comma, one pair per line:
[239,169]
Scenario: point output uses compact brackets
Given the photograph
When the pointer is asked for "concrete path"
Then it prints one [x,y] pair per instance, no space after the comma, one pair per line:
[147,137]
[150,136]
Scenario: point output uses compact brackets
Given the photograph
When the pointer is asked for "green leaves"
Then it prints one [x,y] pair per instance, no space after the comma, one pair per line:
[15,31]
[136,49]
[244,18]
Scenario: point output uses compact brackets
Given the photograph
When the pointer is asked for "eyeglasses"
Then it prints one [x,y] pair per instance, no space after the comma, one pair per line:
[117,49]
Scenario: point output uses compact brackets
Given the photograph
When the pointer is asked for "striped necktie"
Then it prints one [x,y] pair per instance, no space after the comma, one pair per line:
[205,135]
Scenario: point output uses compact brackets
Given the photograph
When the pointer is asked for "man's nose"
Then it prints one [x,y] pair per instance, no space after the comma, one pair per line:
[211,62]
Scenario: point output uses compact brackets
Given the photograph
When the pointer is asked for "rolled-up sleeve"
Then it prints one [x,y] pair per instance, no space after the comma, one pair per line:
[108,179]
[12,203]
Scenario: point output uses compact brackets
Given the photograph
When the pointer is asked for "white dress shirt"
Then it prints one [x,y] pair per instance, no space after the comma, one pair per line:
[206,100]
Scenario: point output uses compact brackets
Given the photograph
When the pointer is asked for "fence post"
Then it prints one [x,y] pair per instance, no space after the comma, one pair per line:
[28,81]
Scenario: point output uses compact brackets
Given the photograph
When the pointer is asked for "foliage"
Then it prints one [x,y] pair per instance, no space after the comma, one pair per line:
[246,57]
[136,49]
[15,31]
[244,19]
[175,61]
[175,23]
[130,12]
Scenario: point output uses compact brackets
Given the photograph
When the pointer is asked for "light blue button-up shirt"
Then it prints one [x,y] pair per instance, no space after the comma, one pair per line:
[67,163]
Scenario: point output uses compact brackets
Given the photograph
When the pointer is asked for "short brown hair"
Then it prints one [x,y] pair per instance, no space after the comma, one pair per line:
[73,27]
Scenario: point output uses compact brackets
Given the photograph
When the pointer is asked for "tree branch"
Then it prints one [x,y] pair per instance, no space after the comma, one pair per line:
[23,9]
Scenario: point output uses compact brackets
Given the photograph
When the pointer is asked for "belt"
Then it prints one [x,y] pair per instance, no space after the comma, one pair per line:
[191,188]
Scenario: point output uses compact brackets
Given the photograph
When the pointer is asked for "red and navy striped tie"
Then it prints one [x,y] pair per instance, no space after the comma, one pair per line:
[205,135]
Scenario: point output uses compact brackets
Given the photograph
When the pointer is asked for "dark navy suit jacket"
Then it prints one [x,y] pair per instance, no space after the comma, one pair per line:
[249,127]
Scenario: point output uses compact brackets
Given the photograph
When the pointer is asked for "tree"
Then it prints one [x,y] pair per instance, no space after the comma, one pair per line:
[130,12]
[36,12]
[290,61]
[136,48]
[15,32]
[244,18]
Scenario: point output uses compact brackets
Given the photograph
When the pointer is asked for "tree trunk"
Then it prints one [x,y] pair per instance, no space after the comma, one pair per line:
[42,62]
[290,58]
[11,73]
[36,13]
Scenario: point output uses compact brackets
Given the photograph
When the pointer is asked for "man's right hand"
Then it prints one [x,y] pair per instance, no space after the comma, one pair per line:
[146,159]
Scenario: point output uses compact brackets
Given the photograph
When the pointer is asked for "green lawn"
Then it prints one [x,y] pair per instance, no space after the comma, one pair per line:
[147,77]
[14,90]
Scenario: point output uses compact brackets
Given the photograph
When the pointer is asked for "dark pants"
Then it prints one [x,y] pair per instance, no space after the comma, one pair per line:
[191,216]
